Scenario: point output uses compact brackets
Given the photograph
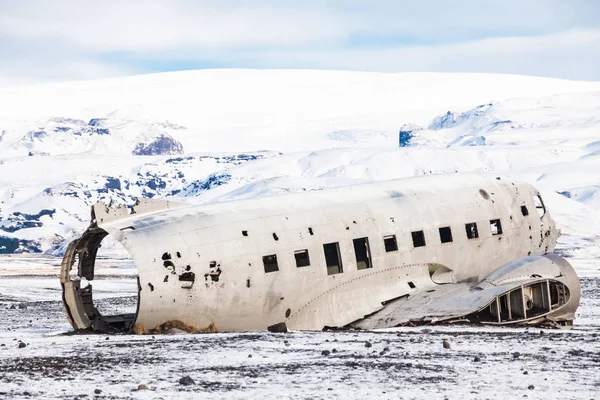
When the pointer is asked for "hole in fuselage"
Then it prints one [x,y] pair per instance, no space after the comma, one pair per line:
[116,291]
[109,284]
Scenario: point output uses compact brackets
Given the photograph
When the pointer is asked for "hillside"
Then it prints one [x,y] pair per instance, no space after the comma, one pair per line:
[221,134]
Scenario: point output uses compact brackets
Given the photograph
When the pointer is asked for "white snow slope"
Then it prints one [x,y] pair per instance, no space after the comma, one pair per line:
[216,135]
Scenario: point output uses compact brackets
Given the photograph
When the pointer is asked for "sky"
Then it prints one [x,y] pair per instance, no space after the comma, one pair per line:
[54,40]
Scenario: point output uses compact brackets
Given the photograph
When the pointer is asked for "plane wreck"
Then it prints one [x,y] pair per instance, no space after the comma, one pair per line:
[436,249]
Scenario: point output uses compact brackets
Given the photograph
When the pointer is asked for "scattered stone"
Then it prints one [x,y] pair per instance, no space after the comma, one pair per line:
[142,387]
[22,345]
[249,355]
[368,344]
[426,330]
[286,343]
[334,350]
[97,391]
[576,352]
[22,306]
[525,373]
[446,344]
[278,328]
[106,338]
[530,387]
[13,307]
[516,355]
[476,359]
[186,381]
[325,352]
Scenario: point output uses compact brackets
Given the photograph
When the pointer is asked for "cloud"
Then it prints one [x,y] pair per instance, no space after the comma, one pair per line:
[572,55]
[146,26]
[67,39]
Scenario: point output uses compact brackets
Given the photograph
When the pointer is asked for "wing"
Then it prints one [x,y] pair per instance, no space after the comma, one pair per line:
[533,291]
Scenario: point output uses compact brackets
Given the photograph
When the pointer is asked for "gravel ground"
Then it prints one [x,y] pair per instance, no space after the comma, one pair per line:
[39,358]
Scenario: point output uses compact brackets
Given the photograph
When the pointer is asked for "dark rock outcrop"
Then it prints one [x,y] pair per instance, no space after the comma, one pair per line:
[407,132]
[162,145]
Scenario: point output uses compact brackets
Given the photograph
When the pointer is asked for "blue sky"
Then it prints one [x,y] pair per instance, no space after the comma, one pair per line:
[62,40]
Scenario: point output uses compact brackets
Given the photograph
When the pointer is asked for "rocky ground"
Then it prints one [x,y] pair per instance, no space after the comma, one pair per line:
[39,358]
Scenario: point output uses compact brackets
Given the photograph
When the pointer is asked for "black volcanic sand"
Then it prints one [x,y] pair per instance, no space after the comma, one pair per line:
[405,363]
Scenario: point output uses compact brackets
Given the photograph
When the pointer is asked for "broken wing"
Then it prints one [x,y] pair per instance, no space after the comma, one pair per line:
[533,290]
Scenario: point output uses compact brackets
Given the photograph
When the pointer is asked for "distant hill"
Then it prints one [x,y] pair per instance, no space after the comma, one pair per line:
[212,135]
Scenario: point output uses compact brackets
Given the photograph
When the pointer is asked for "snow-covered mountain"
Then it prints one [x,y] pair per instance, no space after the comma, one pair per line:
[216,135]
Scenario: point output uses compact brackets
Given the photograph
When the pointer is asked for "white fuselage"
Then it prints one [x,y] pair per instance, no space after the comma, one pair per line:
[222,247]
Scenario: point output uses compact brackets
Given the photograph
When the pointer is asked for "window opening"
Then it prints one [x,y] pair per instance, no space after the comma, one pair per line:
[524,211]
[270,263]
[559,294]
[333,260]
[244,233]
[496,227]
[302,258]
[418,238]
[310,231]
[445,234]
[411,285]
[390,243]
[362,253]
[539,205]
[471,229]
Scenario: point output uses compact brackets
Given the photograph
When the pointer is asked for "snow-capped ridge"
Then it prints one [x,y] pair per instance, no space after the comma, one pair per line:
[205,136]
[504,122]
[60,135]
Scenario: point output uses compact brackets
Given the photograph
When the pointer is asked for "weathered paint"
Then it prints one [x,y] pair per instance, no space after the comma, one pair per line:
[203,264]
